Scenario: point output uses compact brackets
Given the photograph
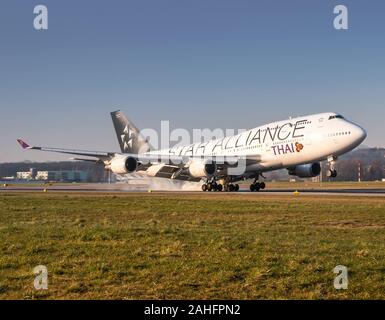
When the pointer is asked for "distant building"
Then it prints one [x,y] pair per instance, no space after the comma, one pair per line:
[26,175]
[64,175]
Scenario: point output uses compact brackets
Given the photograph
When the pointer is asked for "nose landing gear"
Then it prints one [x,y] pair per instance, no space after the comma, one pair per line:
[332,172]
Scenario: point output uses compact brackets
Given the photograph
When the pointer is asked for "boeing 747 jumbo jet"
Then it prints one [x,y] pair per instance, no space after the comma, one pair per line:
[297,144]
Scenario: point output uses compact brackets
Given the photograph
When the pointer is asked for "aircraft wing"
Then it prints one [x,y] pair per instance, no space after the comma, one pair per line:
[96,154]
[148,158]
[155,164]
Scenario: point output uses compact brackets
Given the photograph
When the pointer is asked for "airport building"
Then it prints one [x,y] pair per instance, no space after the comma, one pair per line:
[27,175]
[64,175]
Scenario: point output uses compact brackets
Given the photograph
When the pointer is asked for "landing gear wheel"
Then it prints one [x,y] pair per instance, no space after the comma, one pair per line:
[231,188]
[262,185]
[255,187]
[204,187]
[209,187]
[236,187]
[219,187]
[332,173]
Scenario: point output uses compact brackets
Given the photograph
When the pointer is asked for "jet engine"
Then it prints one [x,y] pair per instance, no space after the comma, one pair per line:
[122,165]
[306,170]
[202,168]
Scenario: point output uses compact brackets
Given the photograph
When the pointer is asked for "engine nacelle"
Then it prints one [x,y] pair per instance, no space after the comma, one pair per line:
[310,170]
[202,168]
[122,165]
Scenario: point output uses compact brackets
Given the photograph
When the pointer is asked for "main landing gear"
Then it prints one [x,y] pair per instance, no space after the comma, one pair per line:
[332,172]
[256,186]
[231,187]
[214,186]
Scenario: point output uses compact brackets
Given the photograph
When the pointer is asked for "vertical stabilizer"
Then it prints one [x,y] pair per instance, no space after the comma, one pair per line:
[129,138]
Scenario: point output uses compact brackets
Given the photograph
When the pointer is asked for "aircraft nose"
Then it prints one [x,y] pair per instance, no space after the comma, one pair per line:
[359,134]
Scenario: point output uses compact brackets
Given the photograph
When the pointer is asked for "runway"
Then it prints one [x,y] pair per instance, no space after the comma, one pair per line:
[352,192]
[126,188]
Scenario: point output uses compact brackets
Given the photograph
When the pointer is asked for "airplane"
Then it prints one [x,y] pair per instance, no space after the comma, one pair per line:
[297,144]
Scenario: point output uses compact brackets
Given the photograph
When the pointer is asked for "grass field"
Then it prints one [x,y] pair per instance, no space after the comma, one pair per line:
[198,246]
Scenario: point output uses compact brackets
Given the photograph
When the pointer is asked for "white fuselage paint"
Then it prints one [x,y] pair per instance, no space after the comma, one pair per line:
[281,144]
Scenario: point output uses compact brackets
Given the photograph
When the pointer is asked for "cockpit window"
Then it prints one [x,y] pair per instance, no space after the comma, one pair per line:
[337,116]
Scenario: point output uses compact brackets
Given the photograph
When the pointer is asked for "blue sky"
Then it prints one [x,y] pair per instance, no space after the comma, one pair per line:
[199,64]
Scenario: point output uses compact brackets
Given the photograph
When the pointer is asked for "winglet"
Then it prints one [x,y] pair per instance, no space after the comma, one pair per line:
[23,144]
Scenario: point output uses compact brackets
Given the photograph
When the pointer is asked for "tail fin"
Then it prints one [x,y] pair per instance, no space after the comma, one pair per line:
[129,137]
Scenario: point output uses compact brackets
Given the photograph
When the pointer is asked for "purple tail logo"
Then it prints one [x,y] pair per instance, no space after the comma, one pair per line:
[23,144]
